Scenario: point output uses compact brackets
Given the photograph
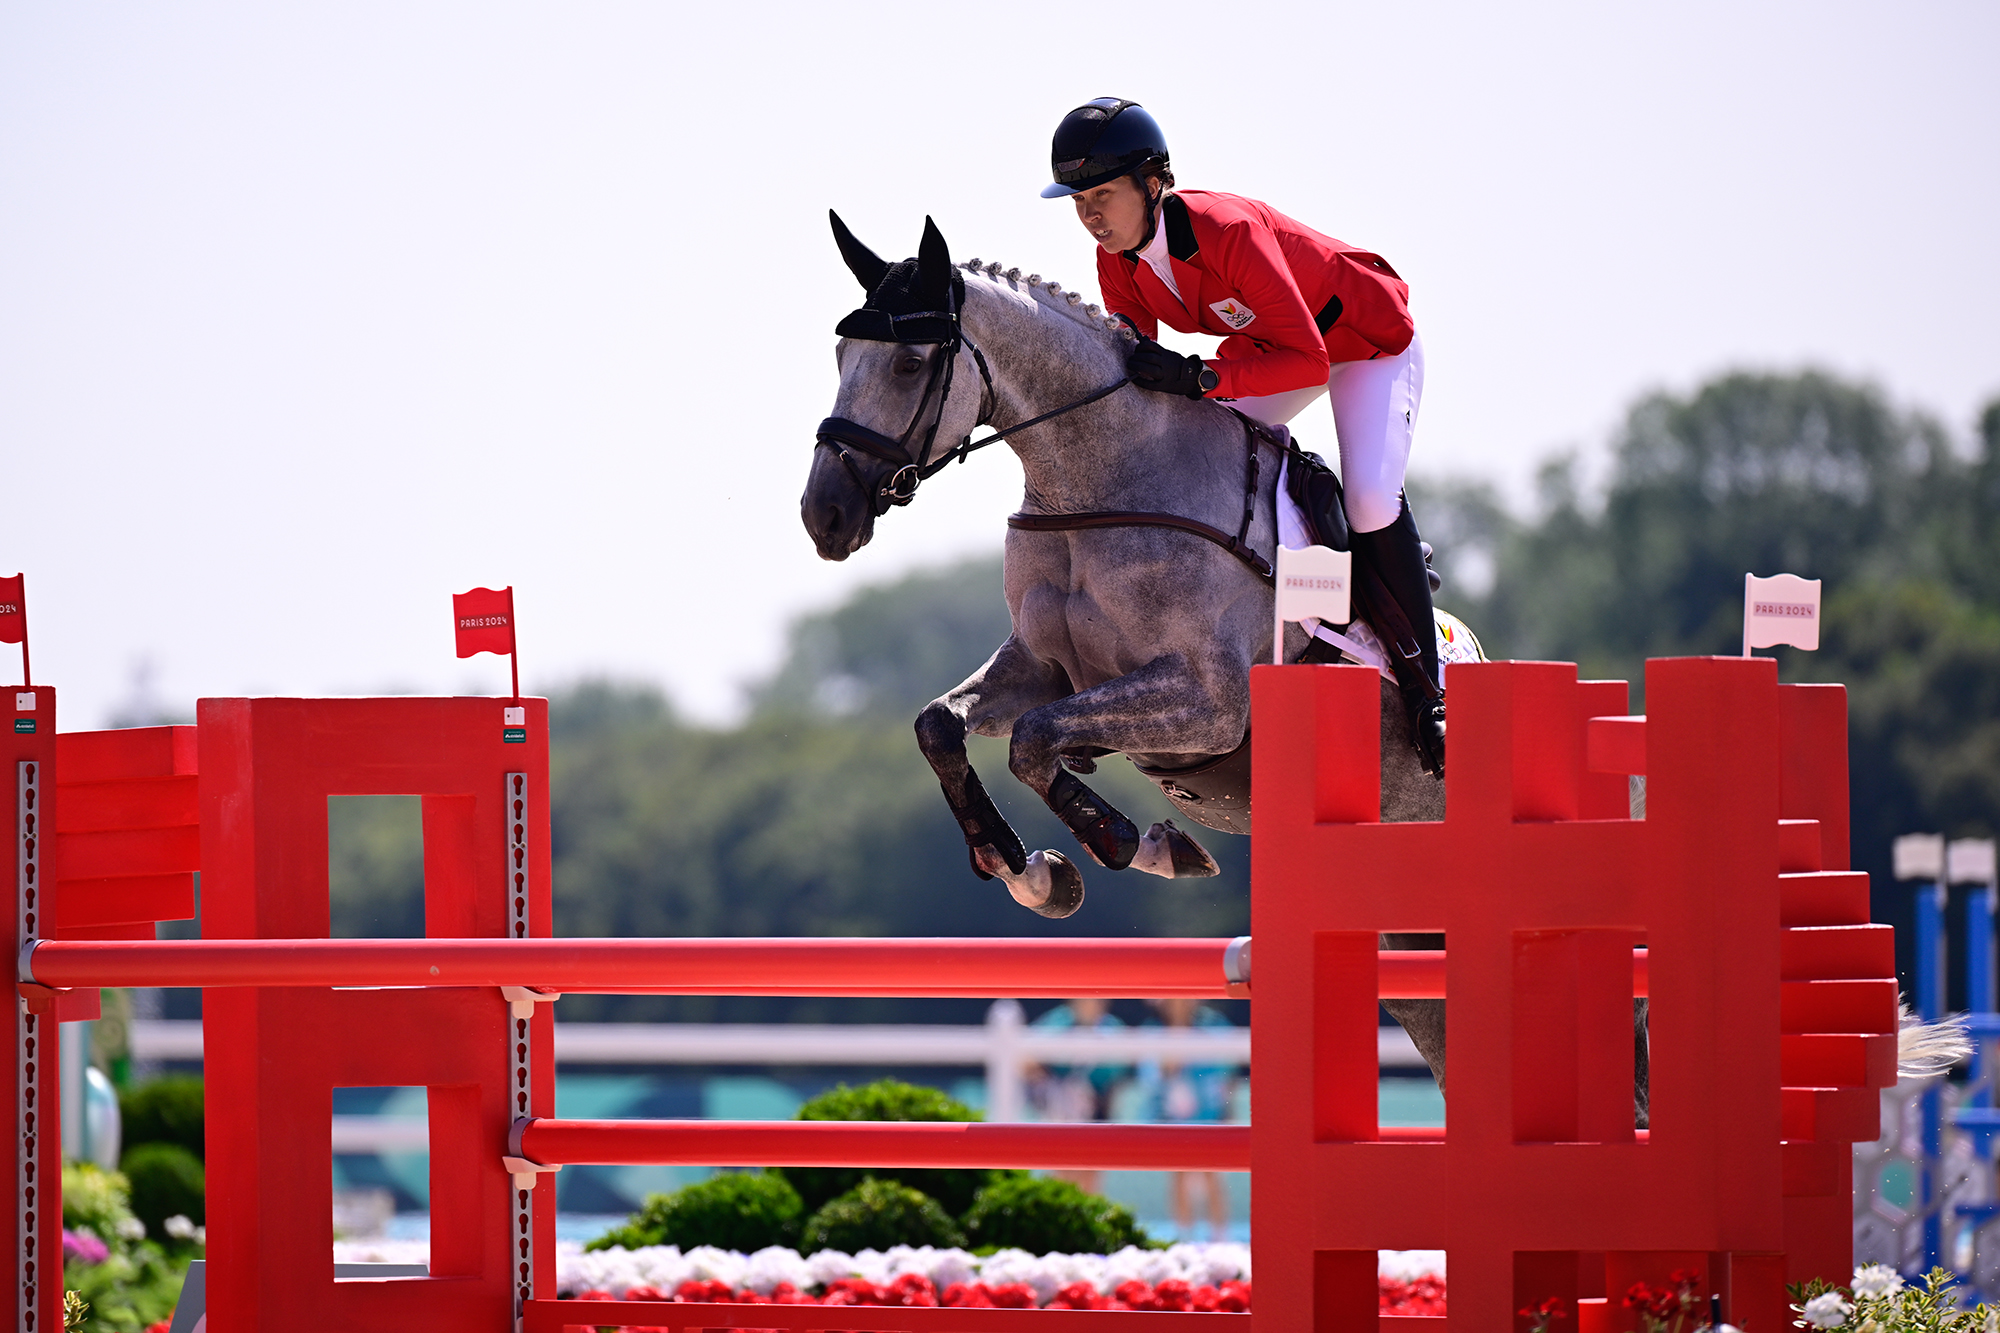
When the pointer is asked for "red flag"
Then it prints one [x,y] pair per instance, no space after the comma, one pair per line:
[484,620]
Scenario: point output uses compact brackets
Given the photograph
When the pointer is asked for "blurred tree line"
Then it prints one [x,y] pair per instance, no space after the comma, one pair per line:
[817,816]
[1806,474]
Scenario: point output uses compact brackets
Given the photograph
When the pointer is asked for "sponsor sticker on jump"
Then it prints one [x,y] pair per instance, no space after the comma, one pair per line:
[1233,312]
[1781,609]
[24,726]
[1312,583]
[514,735]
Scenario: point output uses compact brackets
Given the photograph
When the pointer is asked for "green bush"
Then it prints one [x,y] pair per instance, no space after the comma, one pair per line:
[165,1110]
[877,1214]
[95,1198]
[1047,1216]
[167,1181]
[888,1099]
[137,1283]
[733,1211]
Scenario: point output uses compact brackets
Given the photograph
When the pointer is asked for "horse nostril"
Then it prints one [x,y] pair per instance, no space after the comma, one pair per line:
[833,518]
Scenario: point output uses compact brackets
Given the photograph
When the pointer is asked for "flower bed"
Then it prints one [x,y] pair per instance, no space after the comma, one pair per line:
[1185,1276]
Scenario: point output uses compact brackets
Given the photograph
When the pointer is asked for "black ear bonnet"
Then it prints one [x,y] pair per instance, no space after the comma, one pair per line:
[910,301]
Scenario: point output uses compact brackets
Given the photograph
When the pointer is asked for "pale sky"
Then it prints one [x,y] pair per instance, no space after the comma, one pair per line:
[313,314]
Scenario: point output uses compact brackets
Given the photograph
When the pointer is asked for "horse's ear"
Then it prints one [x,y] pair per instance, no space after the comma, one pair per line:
[934,263]
[868,267]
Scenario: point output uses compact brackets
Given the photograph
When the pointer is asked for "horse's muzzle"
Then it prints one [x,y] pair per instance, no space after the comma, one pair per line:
[836,512]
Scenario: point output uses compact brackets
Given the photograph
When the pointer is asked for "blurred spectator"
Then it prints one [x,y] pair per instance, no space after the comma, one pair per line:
[1191,1094]
[1077,1092]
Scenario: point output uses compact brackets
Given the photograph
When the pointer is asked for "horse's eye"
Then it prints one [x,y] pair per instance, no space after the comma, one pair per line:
[909,365]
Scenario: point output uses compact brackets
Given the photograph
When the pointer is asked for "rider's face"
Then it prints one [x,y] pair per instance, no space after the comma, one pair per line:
[1114,213]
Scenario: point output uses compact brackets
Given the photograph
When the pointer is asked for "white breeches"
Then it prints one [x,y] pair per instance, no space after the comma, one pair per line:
[1374,417]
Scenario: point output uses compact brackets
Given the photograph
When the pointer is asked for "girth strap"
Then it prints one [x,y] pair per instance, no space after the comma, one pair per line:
[1139,518]
[1255,433]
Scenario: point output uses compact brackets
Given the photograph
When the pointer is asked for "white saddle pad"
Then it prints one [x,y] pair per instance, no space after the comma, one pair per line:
[1360,644]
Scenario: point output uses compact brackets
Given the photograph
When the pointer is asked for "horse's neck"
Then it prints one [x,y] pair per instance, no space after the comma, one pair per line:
[1125,451]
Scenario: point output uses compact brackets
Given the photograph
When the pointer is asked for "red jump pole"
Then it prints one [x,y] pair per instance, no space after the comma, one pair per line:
[984,968]
[980,968]
[907,1144]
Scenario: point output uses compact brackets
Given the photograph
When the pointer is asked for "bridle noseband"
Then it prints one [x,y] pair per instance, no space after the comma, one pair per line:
[912,470]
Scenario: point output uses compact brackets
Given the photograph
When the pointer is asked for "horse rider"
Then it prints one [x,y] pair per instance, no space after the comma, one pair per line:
[1300,315]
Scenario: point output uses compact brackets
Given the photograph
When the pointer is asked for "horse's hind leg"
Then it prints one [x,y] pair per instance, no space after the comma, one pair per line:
[1422,1019]
[1160,708]
[988,702]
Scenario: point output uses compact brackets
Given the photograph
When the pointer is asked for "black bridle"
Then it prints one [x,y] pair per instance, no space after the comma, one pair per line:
[912,470]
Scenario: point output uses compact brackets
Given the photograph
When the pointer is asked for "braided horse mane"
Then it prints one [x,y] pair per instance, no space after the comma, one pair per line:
[1051,295]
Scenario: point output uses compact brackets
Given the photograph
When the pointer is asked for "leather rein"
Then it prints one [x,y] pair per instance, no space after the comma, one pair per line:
[912,470]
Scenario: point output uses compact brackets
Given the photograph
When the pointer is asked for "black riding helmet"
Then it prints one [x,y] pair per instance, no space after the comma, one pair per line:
[1100,141]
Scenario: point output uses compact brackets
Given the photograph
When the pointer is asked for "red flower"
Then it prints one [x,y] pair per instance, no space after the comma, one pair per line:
[1012,1296]
[1234,1298]
[967,1296]
[645,1293]
[912,1289]
[1133,1294]
[1422,1296]
[692,1291]
[855,1291]
[1079,1296]
[787,1294]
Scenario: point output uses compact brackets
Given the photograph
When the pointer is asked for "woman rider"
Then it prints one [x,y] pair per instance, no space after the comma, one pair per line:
[1300,314]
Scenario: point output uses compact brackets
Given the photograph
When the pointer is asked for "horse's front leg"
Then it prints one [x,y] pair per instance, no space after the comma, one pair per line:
[1163,707]
[1012,682]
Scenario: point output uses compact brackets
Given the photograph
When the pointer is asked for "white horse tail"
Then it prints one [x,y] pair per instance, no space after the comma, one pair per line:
[1924,1050]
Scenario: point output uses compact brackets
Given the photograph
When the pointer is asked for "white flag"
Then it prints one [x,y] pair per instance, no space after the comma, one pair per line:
[1781,609]
[1313,581]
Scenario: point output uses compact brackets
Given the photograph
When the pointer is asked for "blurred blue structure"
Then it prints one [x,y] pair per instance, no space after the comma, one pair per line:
[1931,867]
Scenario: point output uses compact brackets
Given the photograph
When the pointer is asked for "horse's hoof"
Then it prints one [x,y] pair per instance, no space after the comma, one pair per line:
[1065,888]
[1171,854]
[1050,885]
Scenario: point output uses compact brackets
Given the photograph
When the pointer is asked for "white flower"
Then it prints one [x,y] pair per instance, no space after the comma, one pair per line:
[200,1236]
[712,1265]
[1019,1266]
[1827,1310]
[949,1266]
[873,1265]
[772,1265]
[179,1227]
[130,1228]
[1877,1280]
[828,1265]
[1992,1324]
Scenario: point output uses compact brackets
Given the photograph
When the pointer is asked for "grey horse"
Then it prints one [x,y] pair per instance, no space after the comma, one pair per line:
[1135,640]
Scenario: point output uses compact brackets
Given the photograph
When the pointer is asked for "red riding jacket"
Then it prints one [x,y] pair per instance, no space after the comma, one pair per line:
[1288,301]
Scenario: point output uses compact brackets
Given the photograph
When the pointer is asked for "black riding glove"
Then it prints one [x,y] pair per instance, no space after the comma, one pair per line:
[1154,367]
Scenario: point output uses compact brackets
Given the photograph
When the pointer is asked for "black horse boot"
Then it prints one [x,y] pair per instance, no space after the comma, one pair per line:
[1396,584]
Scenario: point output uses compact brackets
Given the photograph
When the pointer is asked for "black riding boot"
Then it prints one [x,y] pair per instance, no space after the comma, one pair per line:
[1395,555]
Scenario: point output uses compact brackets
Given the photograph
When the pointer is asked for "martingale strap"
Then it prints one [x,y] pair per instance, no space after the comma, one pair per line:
[1239,545]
